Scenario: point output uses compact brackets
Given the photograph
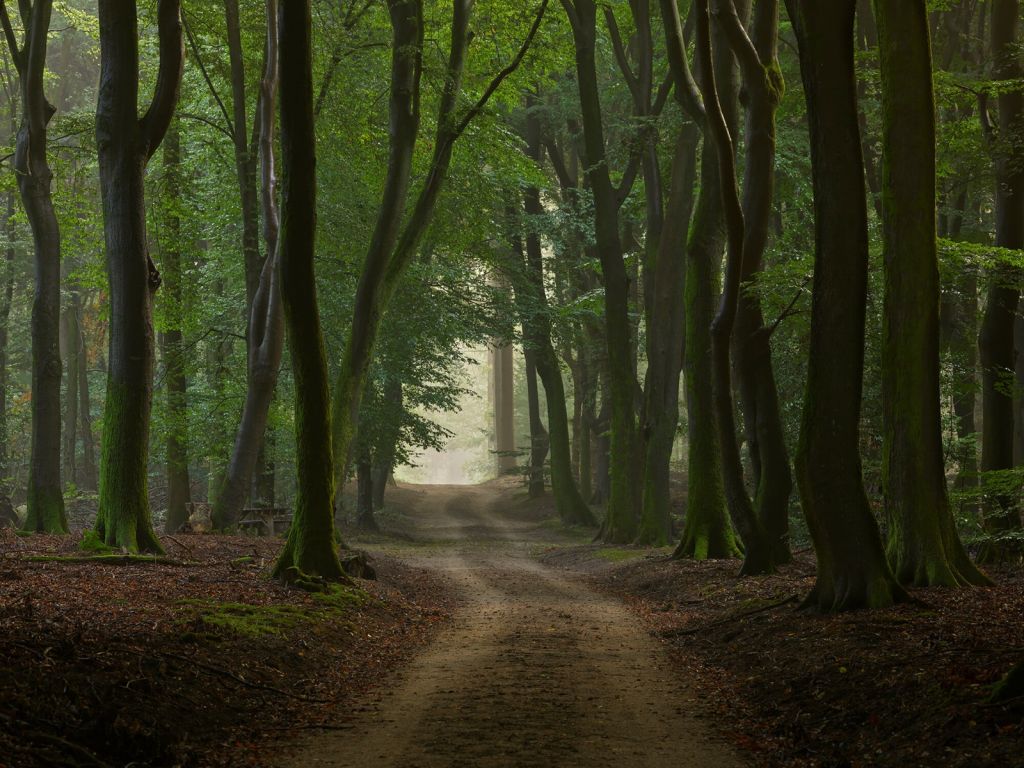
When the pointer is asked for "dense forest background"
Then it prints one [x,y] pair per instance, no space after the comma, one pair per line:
[702,227]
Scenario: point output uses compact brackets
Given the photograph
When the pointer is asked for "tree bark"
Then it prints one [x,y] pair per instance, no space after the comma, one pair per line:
[179,487]
[539,441]
[624,502]
[503,379]
[265,338]
[852,569]
[762,419]
[995,343]
[45,497]
[310,549]
[126,143]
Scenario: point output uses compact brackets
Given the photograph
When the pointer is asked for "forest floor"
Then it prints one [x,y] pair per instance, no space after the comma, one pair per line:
[494,637]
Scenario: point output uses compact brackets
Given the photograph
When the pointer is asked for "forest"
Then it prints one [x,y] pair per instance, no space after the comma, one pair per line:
[473,382]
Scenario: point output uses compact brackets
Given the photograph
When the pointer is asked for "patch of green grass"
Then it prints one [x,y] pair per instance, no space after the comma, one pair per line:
[249,620]
[617,555]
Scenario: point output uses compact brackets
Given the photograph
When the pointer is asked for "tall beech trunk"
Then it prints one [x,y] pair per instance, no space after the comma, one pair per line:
[387,442]
[539,441]
[995,343]
[88,470]
[534,315]
[624,502]
[707,532]
[6,295]
[70,337]
[852,569]
[179,487]
[924,548]
[310,548]
[393,245]
[665,314]
[364,493]
[125,144]
[265,338]
[757,557]
[45,497]
[755,374]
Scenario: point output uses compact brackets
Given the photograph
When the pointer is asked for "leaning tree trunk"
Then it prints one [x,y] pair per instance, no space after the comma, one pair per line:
[924,548]
[852,569]
[179,487]
[45,497]
[125,144]
[995,343]
[265,339]
[311,548]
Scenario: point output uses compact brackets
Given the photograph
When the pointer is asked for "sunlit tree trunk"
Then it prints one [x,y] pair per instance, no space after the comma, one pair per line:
[125,144]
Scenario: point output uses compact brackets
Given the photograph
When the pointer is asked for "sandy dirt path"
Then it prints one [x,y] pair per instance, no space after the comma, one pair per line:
[537,669]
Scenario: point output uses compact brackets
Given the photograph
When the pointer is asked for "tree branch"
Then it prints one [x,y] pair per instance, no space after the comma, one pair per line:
[477,108]
[687,93]
[12,40]
[632,81]
[158,117]
[735,34]
[230,131]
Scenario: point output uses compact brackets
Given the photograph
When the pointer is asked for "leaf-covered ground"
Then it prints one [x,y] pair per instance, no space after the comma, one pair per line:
[897,688]
[206,662]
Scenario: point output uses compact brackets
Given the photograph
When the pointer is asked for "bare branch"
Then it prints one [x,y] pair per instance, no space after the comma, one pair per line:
[12,40]
[735,34]
[194,45]
[632,81]
[687,93]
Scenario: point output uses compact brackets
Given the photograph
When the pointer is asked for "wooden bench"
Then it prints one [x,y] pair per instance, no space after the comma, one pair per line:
[265,521]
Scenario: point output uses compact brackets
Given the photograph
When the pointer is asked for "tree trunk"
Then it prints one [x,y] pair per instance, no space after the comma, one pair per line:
[502,373]
[624,502]
[179,487]
[45,495]
[387,441]
[364,494]
[539,441]
[924,548]
[995,342]
[310,548]
[762,419]
[265,338]
[665,319]
[70,335]
[6,295]
[88,471]
[852,569]
[125,144]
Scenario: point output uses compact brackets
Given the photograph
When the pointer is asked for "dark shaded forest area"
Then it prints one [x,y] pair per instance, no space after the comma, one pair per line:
[713,305]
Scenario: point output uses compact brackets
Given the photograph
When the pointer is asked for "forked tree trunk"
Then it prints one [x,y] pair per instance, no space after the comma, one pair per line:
[310,549]
[265,338]
[125,144]
[924,548]
[757,556]
[762,419]
[179,487]
[852,569]
[45,495]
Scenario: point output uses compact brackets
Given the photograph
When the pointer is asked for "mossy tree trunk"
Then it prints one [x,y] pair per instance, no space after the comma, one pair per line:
[179,490]
[924,548]
[45,497]
[996,341]
[311,548]
[125,144]
[755,374]
[757,550]
[852,568]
